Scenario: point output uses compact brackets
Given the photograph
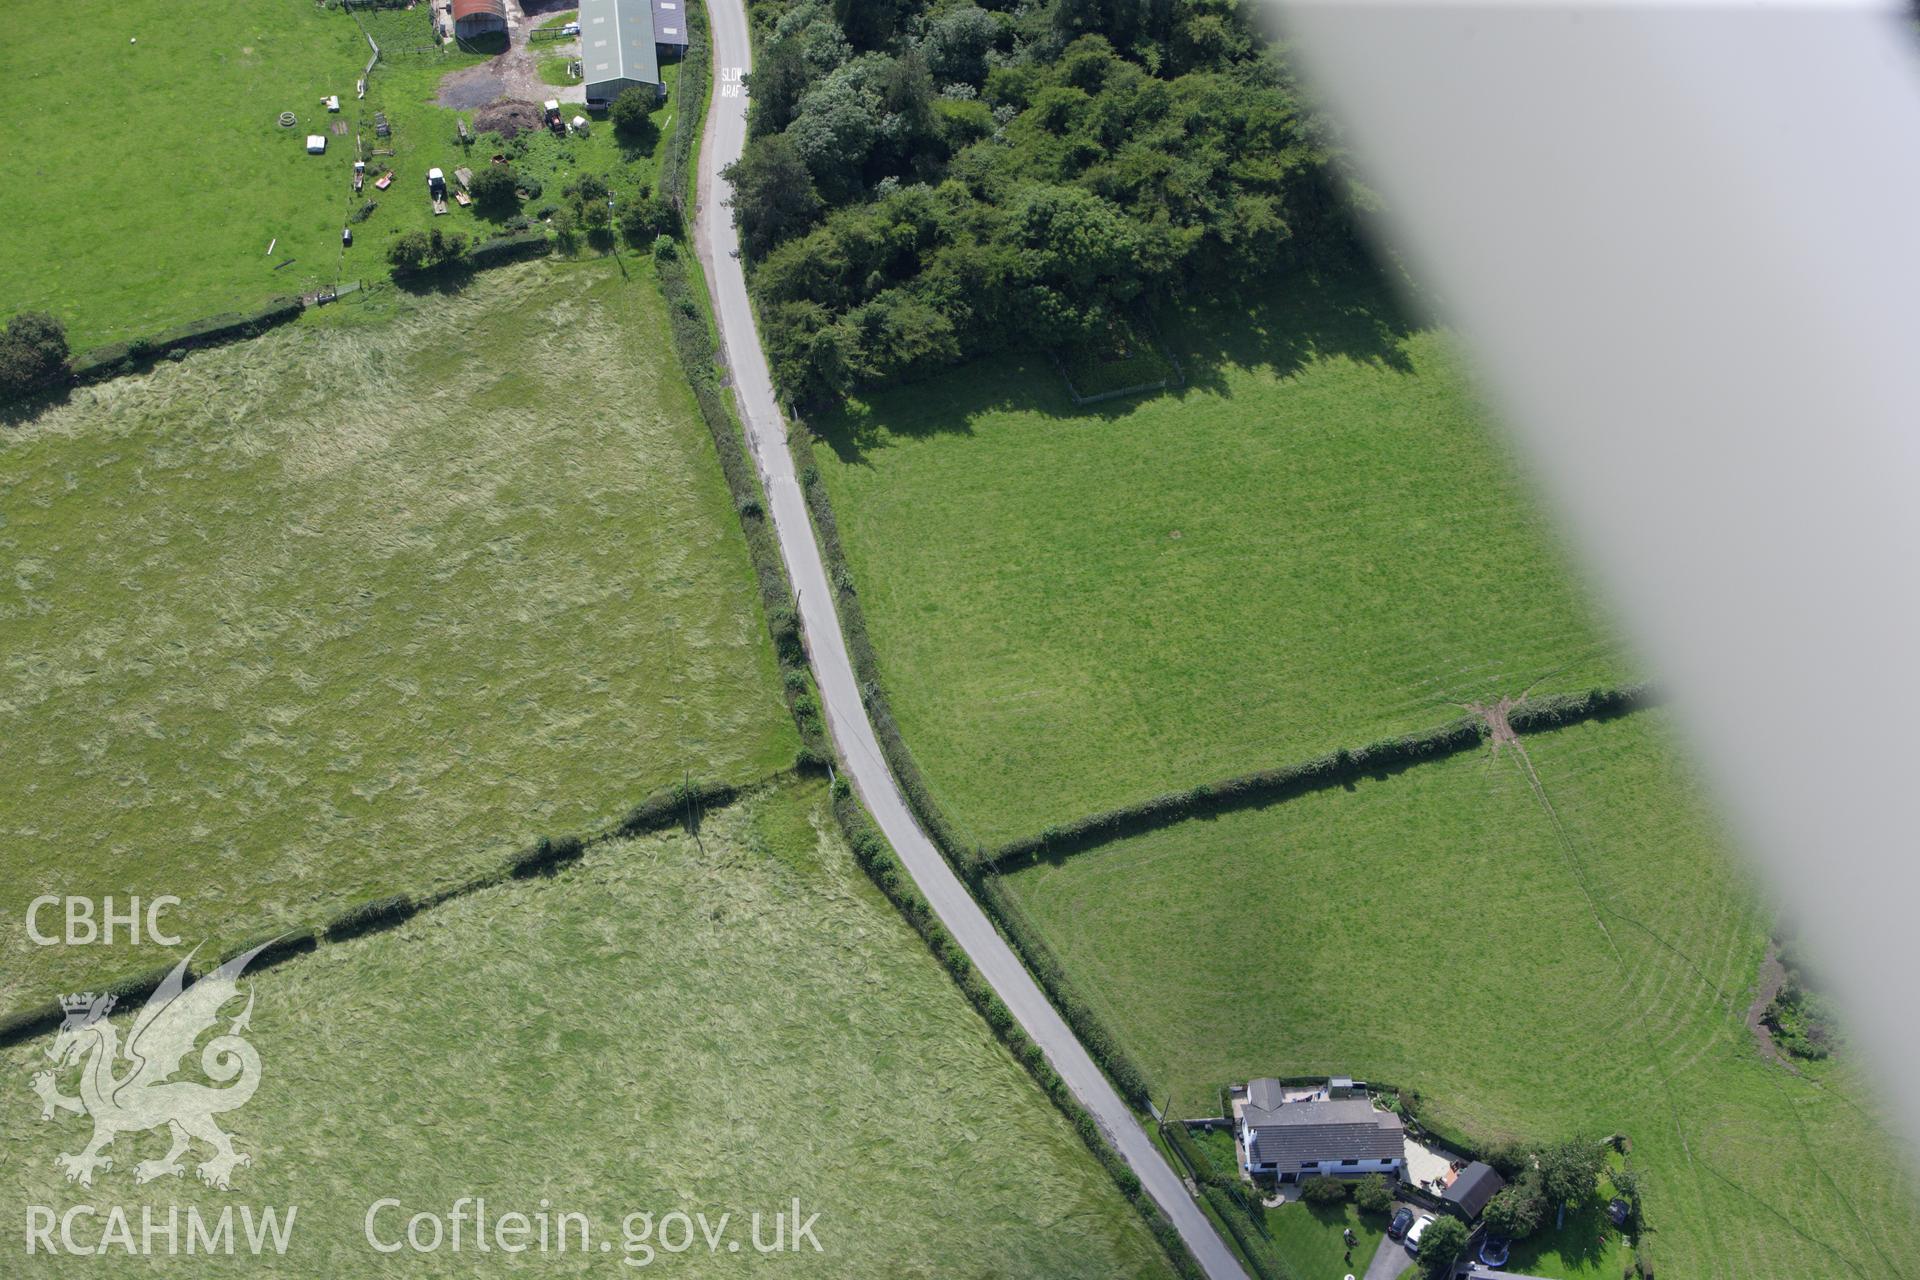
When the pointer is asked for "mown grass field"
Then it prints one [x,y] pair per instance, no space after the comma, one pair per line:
[362,606]
[1308,1237]
[1436,930]
[718,1023]
[145,181]
[1317,543]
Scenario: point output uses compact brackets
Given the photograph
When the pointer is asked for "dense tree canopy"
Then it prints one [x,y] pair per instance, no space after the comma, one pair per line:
[1570,1171]
[33,355]
[632,115]
[1440,1244]
[493,190]
[928,180]
[1517,1209]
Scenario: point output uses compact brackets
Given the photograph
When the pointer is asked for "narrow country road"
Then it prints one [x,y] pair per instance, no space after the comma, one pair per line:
[717,243]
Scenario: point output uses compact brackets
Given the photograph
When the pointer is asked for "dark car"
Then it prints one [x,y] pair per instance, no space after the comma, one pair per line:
[1493,1251]
[1401,1221]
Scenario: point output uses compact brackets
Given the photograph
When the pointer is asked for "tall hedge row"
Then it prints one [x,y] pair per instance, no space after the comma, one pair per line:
[866,665]
[116,358]
[876,857]
[676,161]
[1254,1248]
[693,343]
[1100,1042]
[1268,786]
[670,806]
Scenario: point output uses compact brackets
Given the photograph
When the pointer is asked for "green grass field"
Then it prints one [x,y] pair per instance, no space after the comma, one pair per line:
[363,605]
[1437,931]
[718,1023]
[1308,1238]
[554,69]
[146,179]
[154,202]
[1317,543]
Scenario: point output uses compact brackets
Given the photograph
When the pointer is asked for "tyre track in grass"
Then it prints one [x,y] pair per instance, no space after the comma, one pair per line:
[1503,736]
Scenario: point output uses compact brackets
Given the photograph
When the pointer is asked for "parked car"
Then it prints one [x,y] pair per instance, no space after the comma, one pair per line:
[1401,1221]
[571,29]
[1418,1229]
[1493,1251]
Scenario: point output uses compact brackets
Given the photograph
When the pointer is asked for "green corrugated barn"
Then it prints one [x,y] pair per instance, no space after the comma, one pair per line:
[617,49]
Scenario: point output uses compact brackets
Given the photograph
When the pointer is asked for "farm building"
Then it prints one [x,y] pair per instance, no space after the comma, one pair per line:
[617,49]
[478,18]
[670,26]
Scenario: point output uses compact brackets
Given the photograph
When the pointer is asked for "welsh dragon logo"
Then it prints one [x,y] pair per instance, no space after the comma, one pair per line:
[131,1090]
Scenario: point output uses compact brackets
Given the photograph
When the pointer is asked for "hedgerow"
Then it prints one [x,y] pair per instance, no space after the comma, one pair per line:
[694,344]
[876,857]
[1338,768]
[120,357]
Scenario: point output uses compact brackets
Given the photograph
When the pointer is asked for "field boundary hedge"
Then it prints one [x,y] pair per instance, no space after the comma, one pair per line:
[877,858]
[1335,769]
[697,348]
[695,345]
[684,802]
[980,869]
[115,358]
[675,171]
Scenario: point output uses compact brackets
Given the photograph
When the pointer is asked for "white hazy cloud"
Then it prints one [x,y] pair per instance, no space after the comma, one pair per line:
[1684,245]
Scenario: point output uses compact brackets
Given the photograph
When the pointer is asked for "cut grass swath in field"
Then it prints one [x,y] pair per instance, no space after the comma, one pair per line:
[360,608]
[716,1023]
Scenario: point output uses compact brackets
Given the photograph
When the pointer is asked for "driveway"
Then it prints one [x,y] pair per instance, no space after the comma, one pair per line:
[854,741]
[1390,1260]
[516,72]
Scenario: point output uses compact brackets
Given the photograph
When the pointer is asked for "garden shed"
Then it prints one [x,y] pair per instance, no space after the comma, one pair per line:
[478,18]
[1470,1191]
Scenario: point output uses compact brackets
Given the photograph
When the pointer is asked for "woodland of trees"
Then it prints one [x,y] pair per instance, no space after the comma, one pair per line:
[927,181]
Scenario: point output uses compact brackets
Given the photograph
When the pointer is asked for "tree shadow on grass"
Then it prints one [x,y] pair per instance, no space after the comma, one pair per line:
[1584,1241]
[24,411]
[1278,329]
[446,278]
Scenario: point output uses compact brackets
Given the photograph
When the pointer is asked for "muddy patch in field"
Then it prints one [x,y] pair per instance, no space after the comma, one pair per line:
[472,87]
[1773,976]
[1495,714]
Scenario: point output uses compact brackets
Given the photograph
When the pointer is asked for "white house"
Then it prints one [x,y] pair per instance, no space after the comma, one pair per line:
[1310,1137]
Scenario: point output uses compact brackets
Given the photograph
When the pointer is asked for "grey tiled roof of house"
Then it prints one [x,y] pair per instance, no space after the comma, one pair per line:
[1342,1129]
[1265,1093]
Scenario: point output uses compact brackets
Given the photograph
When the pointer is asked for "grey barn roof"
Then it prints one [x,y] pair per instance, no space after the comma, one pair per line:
[1474,1186]
[616,42]
[1341,1129]
[670,22]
